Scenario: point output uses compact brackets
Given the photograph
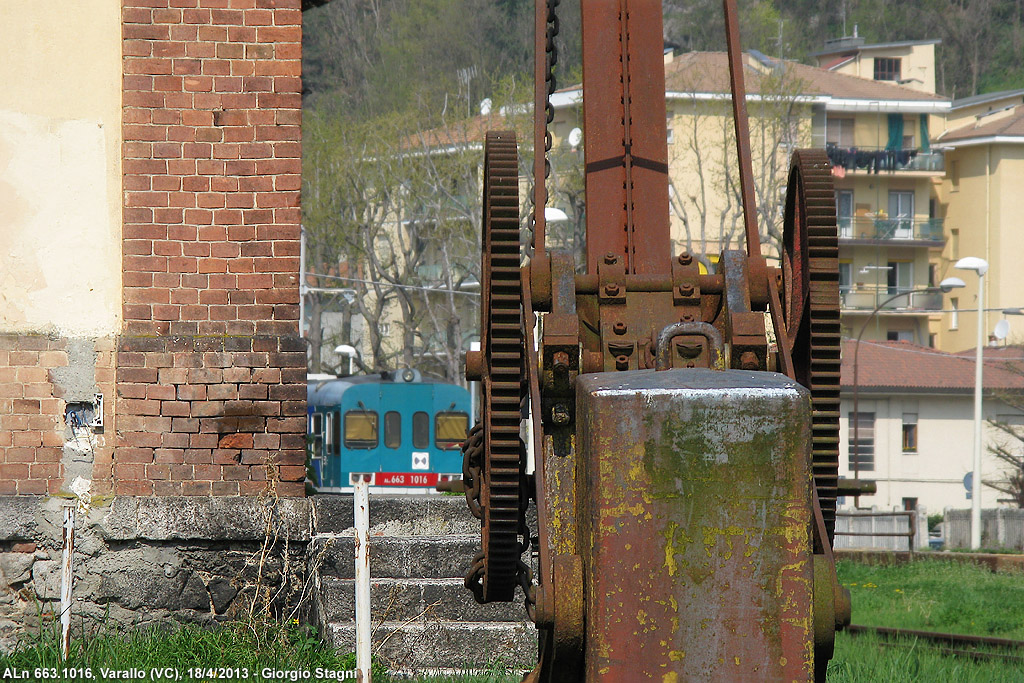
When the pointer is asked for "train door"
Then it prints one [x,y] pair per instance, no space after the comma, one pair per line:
[450,422]
[360,432]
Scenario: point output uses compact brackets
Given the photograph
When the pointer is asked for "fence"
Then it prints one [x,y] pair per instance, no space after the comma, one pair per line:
[881,530]
[1001,528]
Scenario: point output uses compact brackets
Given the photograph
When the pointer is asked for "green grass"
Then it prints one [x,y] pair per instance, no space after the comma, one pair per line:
[927,595]
[936,595]
[866,659]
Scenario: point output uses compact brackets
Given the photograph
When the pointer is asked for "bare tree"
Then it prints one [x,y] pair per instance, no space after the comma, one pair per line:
[1008,445]
[704,190]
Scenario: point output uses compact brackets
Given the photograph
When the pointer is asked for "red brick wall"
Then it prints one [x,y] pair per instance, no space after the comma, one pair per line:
[32,428]
[210,370]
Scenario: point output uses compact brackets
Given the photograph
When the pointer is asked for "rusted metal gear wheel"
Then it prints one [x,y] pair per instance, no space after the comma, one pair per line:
[502,343]
[810,264]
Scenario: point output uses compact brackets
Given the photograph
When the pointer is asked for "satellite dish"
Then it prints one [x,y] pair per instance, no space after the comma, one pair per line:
[485,106]
[1002,329]
[575,136]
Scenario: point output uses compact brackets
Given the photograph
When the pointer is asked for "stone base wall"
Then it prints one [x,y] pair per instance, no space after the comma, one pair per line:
[142,561]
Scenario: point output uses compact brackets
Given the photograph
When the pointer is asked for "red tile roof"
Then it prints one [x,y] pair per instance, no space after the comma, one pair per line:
[902,366]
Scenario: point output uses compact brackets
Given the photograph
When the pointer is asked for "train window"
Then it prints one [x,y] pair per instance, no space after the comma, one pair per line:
[450,429]
[420,430]
[329,431]
[360,429]
[392,429]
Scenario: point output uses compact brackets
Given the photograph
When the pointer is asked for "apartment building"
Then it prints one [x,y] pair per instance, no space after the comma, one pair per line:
[877,133]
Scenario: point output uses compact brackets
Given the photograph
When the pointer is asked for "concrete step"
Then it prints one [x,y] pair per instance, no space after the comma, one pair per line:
[429,644]
[406,515]
[405,599]
[398,557]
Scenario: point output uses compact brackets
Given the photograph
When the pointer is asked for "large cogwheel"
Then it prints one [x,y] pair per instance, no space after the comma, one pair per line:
[810,263]
[502,343]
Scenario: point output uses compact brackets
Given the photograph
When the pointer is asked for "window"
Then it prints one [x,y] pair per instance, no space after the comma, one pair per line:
[316,430]
[361,429]
[954,244]
[668,127]
[954,316]
[910,432]
[392,429]
[887,68]
[839,132]
[900,278]
[931,340]
[331,432]
[954,175]
[901,214]
[844,212]
[450,429]
[420,430]
[862,441]
[900,336]
[845,278]
[910,504]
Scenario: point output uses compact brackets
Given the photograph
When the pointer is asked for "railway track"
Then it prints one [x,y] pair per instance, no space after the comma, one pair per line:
[976,647]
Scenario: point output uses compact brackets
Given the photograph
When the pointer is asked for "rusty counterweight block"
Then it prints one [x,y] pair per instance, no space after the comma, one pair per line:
[694,490]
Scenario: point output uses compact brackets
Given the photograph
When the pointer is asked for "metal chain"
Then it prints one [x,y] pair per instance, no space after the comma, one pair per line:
[472,462]
[551,58]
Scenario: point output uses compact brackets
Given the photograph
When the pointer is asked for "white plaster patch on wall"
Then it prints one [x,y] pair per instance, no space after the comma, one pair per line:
[60,270]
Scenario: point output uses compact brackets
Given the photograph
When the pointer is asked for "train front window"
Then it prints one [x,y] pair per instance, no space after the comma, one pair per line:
[450,429]
[420,430]
[392,429]
[361,429]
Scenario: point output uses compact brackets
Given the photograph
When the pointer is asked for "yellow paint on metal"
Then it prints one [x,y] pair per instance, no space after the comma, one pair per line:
[676,655]
[670,677]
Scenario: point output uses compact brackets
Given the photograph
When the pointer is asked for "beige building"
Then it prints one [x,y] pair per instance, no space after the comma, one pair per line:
[910,63]
[983,205]
[916,429]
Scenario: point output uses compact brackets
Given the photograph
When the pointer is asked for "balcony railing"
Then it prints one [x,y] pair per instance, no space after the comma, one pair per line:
[890,229]
[878,159]
[867,298]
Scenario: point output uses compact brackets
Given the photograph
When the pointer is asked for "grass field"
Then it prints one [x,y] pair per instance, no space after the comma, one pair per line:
[926,595]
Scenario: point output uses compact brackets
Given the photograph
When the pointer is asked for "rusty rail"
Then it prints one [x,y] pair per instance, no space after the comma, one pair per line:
[966,644]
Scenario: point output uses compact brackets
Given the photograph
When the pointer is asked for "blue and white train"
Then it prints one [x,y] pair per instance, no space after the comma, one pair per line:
[402,430]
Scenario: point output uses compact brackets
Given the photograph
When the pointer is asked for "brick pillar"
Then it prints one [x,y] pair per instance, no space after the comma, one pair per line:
[210,369]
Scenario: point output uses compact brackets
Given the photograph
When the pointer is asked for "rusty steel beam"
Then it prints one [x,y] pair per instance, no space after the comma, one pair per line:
[626,156]
[739,115]
[696,505]
[540,102]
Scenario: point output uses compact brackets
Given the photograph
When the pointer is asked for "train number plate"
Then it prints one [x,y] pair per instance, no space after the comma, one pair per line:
[406,479]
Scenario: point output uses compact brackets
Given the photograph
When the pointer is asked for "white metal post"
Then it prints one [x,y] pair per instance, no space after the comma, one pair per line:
[976,483]
[361,485]
[66,579]
[302,282]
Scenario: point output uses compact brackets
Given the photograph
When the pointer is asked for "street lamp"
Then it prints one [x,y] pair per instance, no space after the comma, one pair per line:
[945,286]
[979,266]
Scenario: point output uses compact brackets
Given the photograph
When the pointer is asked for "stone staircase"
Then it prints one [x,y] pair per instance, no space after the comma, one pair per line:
[423,617]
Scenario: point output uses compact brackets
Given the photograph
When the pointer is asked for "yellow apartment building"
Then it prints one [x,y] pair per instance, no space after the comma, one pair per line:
[983,205]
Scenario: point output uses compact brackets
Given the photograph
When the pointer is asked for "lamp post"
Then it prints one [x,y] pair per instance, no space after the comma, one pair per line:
[979,266]
[945,286]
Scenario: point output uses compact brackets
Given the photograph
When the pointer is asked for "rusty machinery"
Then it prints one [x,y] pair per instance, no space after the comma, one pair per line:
[686,471]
